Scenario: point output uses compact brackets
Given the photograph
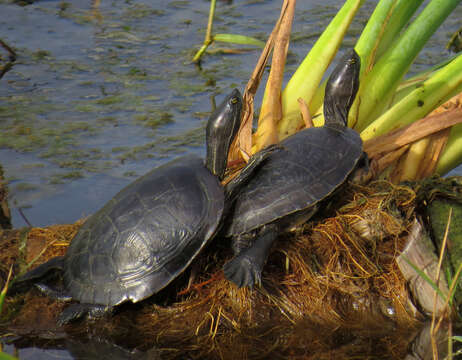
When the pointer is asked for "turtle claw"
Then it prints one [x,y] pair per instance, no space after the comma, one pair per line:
[243,272]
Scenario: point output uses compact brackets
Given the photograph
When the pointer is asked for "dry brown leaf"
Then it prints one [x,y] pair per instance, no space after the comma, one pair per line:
[434,150]
[434,128]
[306,116]
[243,145]
[271,109]
[437,140]
[413,132]
[379,164]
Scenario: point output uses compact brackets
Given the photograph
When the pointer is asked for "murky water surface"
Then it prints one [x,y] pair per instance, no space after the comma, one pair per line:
[101,94]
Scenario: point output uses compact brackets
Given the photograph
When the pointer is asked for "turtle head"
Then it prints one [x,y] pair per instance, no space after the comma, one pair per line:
[222,128]
[341,89]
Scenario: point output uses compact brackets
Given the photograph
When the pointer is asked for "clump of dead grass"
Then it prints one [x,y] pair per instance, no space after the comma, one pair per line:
[331,287]
[323,286]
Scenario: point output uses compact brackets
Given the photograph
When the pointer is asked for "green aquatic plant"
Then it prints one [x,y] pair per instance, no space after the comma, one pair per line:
[386,101]
[210,38]
[5,356]
[5,289]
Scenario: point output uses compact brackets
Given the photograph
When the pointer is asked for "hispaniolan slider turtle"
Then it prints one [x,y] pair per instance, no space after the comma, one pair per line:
[287,189]
[148,234]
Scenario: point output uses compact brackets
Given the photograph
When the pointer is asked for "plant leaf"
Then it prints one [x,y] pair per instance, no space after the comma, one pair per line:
[380,84]
[239,39]
[309,74]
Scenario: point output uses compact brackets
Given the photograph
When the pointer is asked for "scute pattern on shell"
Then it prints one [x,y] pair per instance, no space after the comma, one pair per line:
[146,235]
[310,166]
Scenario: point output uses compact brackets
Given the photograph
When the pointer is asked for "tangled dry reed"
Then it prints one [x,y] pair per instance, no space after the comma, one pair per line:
[331,289]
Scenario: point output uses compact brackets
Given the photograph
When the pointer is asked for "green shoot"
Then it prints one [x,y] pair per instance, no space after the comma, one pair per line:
[305,81]
[229,38]
[5,289]
[5,356]
[426,96]
[239,39]
[381,82]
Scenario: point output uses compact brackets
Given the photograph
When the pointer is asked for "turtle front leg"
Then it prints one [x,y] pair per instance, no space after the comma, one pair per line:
[246,267]
[78,310]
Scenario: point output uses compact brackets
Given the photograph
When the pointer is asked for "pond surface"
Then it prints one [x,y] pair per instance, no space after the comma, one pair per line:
[104,91]
[101,94]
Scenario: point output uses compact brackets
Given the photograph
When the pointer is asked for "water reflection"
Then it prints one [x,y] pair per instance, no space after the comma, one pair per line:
[93,346]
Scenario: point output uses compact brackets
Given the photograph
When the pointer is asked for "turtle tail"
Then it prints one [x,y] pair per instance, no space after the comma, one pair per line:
[23,282]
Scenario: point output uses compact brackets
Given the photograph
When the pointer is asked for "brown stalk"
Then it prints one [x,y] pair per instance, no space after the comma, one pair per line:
[438,140]
[11,52]
[271,109]
[435,148]
[379,164]
[306,116]
[243,144]
[413,132]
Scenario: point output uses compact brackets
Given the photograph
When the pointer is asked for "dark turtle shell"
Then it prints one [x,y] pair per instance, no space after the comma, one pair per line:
[310,166]
[146,235]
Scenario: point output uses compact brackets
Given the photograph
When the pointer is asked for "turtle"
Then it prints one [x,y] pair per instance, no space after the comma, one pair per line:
[287,190]
[151,231]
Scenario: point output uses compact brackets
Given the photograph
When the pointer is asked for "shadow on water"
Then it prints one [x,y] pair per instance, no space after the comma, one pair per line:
[99,95]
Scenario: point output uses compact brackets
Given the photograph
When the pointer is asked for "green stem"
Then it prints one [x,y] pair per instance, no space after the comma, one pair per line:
[380,84]
[400,17]
[367,45]
[310,72]
[408,85]
[452,153]
[383,27]
[425,97]
[208,34]
[373,32]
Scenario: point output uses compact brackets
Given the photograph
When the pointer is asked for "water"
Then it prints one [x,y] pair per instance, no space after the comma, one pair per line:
[100,95]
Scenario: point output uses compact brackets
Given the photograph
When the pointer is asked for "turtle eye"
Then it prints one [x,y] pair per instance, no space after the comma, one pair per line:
[234,100]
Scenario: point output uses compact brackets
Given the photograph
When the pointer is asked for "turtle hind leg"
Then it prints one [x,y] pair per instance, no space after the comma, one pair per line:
[40,273]
[79,310]
[56,263]
[245,268]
